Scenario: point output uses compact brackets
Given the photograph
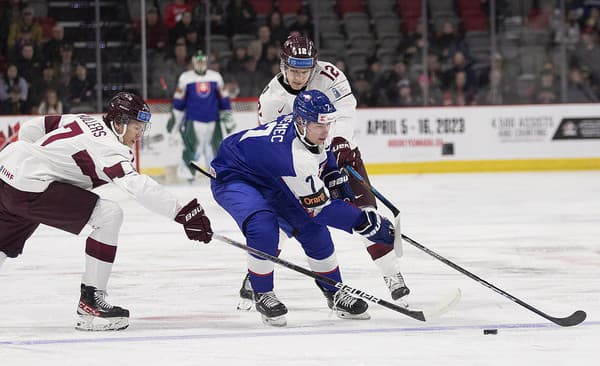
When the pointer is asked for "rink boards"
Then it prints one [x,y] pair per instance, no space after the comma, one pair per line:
[442,139]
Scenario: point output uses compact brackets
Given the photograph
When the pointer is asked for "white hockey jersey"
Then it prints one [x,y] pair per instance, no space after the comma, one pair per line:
[79,150]
[278,98]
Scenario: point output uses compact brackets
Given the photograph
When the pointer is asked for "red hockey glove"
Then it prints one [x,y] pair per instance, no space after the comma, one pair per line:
[342,152]
[194,221]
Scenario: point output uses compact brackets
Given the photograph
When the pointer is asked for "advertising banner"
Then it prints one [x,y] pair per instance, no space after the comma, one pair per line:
[395,140]
[392,135]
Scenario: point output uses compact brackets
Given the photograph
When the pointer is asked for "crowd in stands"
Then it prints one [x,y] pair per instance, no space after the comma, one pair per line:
[38,73]
[377,43]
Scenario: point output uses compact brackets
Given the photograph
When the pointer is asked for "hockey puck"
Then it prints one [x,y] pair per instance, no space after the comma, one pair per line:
[490,331]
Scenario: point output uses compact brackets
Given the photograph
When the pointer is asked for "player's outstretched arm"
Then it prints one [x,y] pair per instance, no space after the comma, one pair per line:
[195,222]
[157,199]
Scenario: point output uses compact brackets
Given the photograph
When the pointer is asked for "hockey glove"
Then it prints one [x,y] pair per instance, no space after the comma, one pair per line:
[194,221]
[344,155]
[175,120]
[375,227]
[171,122]
[337,183]
[226,119]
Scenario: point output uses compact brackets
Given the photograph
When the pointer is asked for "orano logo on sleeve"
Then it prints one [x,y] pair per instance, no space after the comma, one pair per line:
[314,200]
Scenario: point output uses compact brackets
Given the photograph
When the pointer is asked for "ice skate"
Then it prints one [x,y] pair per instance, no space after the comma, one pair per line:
[246,295]
[271,309]
[397,287]
[95,314]
[347,306]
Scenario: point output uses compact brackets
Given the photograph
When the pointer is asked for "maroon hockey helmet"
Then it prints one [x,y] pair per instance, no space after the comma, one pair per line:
[298,52]
[124,106]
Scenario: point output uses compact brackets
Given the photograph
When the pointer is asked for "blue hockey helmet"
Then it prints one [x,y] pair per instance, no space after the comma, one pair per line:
[313,106]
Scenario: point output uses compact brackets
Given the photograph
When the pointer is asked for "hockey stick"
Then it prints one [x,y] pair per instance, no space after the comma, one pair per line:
[415,314]
[198,168]
[571,320]
[422,315]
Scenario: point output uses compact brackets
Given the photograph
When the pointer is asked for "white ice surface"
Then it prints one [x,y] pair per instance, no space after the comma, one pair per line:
[534,235]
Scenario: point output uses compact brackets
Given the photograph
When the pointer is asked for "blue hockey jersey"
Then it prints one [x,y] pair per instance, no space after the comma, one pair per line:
[274,160]
[200,96]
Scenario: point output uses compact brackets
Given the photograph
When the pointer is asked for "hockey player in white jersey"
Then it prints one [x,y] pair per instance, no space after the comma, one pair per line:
[47,176]
[301,70]
[201,113]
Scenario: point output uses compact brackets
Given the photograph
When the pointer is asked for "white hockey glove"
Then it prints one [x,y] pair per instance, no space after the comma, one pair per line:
[175,120]
[226,120]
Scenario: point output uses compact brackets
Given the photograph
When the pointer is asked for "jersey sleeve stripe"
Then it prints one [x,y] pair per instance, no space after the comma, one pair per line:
[86,164]
[115,171]
[51,123]
[342,97]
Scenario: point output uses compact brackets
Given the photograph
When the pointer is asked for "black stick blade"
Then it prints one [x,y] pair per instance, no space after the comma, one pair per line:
[573,319]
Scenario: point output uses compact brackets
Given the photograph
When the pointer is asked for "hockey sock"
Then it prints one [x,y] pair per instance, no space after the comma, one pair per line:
[334,275]
[388,264]
[377,250]
[98,263]
[101,245]
[327,267]
[262,233]
[261,282]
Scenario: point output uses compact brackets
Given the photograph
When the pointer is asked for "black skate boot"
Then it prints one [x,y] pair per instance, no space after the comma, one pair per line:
[96,314]
[397,287]
[345,305]
[246,294]
[271,309]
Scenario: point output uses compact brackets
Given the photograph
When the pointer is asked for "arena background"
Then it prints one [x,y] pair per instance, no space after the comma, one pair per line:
[532,106]
[531,70]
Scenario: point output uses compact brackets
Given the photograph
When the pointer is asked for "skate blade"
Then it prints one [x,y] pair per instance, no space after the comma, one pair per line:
[245,305]
[347,315]
[276,321]
[96,324]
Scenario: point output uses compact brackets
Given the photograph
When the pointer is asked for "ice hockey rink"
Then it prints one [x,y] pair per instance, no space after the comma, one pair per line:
[534,235]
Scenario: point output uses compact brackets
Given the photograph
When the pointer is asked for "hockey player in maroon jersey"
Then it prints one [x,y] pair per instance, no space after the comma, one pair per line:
[46,178]
[301,70]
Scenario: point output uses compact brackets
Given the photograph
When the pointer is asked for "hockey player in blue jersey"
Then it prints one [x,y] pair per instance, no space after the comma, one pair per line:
[201,111]
[280,175]
[302,70]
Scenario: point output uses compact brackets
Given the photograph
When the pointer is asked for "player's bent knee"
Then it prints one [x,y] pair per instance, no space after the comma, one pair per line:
[262,231]
[316,241]
[107,214]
